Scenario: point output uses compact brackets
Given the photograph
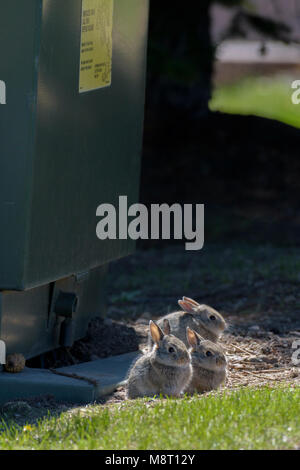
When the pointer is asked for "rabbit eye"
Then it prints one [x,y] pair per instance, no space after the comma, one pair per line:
[212,317]
[171,350]
[208,353]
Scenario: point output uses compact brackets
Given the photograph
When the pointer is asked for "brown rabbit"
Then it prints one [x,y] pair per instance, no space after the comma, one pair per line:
[208,362]
[166,369]
[203,319]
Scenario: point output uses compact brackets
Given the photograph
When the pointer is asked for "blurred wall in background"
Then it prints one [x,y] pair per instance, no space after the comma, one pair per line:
[285,11]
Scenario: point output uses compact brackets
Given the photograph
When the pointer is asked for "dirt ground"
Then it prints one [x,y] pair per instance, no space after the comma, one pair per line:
[256,288]
[255,358]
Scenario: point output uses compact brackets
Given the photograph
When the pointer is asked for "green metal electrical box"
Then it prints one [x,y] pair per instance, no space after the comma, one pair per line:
[70,140]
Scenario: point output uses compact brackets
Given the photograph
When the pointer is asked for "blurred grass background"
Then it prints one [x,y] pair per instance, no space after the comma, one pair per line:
[268,97]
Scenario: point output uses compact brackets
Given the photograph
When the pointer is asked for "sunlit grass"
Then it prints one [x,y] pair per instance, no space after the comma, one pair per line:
[244,419]
[268,97]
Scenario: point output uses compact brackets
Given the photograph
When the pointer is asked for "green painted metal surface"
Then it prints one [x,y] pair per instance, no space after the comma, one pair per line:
[28,323]
[63,153]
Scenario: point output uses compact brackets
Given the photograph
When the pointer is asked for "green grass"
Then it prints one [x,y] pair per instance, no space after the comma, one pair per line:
[245,419]
[261,96]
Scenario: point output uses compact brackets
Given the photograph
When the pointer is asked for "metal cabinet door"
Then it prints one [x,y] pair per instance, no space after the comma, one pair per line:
[62,153]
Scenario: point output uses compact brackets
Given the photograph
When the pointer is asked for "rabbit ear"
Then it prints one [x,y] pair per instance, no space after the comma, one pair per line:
[167,328]
[192,337]
[191,301]
[155,331]
[187,306]
[200,338]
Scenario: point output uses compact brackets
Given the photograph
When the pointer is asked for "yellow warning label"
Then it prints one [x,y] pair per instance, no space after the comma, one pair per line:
[96,44]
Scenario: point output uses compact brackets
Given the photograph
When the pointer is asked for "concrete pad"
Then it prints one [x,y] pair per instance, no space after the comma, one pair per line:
[36,382]
[108,373]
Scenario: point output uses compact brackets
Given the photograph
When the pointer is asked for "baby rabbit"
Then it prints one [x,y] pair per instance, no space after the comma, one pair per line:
[166,369]
[208,362]
[203,319]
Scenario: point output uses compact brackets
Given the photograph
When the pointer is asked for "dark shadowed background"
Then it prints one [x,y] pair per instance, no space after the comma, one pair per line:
[217,106]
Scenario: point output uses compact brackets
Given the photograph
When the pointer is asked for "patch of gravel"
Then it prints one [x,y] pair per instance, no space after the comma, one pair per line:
[256,356]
